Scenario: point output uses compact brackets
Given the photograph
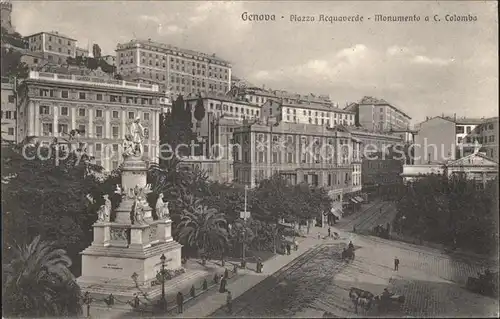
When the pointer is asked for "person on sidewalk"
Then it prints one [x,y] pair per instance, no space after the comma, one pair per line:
[226,273]
[319,235]
[180,302]
[288,248]
[396,264]
[351,246]
[229,302]
[329,232]
[223,282]
[259,265]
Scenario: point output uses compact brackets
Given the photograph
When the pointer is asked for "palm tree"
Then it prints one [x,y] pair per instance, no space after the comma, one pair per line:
[203,228]
[38,283]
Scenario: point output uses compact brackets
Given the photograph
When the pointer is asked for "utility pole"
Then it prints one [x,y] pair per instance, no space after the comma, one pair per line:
[244,215]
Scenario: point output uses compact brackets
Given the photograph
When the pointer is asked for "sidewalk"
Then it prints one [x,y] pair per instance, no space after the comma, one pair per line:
[204,308]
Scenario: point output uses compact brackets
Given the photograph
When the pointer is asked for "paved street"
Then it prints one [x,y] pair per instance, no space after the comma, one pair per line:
[314,280]
[432,282]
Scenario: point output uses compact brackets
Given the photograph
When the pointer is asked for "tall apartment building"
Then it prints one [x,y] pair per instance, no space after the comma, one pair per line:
[379,115]
[177,70]
[51,105]
[8,111]
[55,47]
[322,157]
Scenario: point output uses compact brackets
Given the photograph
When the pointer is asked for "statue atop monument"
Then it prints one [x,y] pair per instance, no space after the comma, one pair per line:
[128,146]
[104,212]
[161,208]
[136,131]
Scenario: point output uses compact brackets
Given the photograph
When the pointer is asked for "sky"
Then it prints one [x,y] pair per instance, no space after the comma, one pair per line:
[423,68]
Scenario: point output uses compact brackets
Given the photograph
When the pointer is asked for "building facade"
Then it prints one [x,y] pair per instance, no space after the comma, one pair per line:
[178,70]
[84,53]
[55,47]
[51,105]
[299,153]
[375,142]
[488,137]
[436,141]
[379,115]
[454,138]
[476,166]
[8,111]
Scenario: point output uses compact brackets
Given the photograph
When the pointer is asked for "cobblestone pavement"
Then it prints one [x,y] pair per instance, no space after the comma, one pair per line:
[287,292]
[432,284]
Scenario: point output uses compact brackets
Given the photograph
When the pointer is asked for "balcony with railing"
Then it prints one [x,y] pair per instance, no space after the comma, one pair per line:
[90,80]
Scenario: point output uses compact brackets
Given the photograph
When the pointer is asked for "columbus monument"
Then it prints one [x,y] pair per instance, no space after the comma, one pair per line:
[128,241]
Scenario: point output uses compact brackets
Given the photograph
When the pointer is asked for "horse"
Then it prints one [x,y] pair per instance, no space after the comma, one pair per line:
[361,298]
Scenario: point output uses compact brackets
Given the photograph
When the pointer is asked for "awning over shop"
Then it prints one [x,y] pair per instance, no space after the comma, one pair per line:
[354,201]
[359,199]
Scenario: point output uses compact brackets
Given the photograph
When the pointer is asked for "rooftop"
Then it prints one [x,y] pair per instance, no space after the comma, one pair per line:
[368,100]
[165,46]
[317,106]
[54,33]
[462,120]
[216,96]
[90,80]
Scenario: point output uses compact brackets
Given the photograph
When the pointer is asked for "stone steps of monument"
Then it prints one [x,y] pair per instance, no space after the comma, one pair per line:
[171,286]
[132,252]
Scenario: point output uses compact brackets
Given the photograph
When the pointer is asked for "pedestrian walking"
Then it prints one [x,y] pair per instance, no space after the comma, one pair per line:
[226,273]
[288,249]
[180,302]
[329,232]
[229,302]
[223,282]
[396,264]
[259,265]
[319,235]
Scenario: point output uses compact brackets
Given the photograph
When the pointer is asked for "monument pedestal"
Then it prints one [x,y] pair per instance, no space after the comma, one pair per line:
[125,247]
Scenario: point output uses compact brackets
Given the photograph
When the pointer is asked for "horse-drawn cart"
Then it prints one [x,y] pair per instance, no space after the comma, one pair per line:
[383,303]
[348,254]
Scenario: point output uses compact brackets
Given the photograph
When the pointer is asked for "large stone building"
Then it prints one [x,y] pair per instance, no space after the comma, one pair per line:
[379,115]
[8,111]
[313,154]
[52,105]
[178,70]
[55,47]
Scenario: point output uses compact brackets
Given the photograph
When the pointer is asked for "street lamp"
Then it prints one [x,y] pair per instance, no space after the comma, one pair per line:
[244,215]
[163,301]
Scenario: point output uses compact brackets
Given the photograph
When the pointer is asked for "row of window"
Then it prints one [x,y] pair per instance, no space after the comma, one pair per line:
[231,109]
[8,115]
[480,139]
[181,61]
[65,94]
[48,130]
[82,112]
